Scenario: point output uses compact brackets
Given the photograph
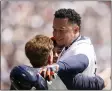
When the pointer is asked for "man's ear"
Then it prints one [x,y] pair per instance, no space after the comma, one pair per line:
[49,60]
[76,28]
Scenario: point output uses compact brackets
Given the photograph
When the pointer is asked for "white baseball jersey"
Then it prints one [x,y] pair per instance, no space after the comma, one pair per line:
[84,46]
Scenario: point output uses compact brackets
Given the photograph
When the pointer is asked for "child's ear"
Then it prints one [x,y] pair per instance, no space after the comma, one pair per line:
[49,60]
[76,28]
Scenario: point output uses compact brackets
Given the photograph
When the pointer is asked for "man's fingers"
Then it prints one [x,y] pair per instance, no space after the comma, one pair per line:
[48,73]
[43,72]
[52,73]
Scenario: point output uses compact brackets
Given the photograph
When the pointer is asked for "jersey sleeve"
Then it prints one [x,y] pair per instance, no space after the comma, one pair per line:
[74,64]
[82,82]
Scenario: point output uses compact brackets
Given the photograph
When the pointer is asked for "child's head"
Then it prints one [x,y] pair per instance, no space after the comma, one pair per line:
[39,50]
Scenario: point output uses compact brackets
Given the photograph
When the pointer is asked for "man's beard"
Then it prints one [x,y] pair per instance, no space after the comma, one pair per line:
[60,46]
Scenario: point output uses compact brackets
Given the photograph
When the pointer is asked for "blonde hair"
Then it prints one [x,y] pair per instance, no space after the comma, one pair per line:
[38,50]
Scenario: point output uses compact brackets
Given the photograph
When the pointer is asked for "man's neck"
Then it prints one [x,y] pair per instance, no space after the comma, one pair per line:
[73,40]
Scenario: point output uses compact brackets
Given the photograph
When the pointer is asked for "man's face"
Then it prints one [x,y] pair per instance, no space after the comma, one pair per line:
[63,31]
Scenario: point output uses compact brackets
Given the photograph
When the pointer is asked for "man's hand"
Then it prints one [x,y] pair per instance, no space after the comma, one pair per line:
[105,75]
[49,71]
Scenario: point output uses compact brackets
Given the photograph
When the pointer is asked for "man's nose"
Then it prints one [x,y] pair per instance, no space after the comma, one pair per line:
[57,34]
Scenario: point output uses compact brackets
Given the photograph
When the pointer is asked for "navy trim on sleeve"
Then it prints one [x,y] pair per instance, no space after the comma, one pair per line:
[74,64]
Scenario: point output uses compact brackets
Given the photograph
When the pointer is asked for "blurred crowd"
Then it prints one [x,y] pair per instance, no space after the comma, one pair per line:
[20,20]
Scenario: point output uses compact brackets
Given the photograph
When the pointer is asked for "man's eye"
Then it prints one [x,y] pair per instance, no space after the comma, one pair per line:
[54,30]
[62,30]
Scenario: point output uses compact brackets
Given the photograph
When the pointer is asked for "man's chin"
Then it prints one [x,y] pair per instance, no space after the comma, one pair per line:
[60,46]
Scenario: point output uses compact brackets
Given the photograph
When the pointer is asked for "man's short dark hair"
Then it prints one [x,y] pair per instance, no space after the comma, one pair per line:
[71,14]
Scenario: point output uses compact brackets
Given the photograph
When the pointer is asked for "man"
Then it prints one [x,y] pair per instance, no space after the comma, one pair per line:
[80,79]
[78,54]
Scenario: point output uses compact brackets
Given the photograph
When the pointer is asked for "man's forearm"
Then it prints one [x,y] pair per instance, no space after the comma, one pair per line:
[82,82]
[105,75]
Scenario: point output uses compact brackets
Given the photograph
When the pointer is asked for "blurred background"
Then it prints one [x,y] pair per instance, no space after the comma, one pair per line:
[21,20]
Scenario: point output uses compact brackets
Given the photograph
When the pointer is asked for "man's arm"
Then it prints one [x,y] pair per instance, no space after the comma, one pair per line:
[82,82]
[74,64]
[105,75]
[77,64]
